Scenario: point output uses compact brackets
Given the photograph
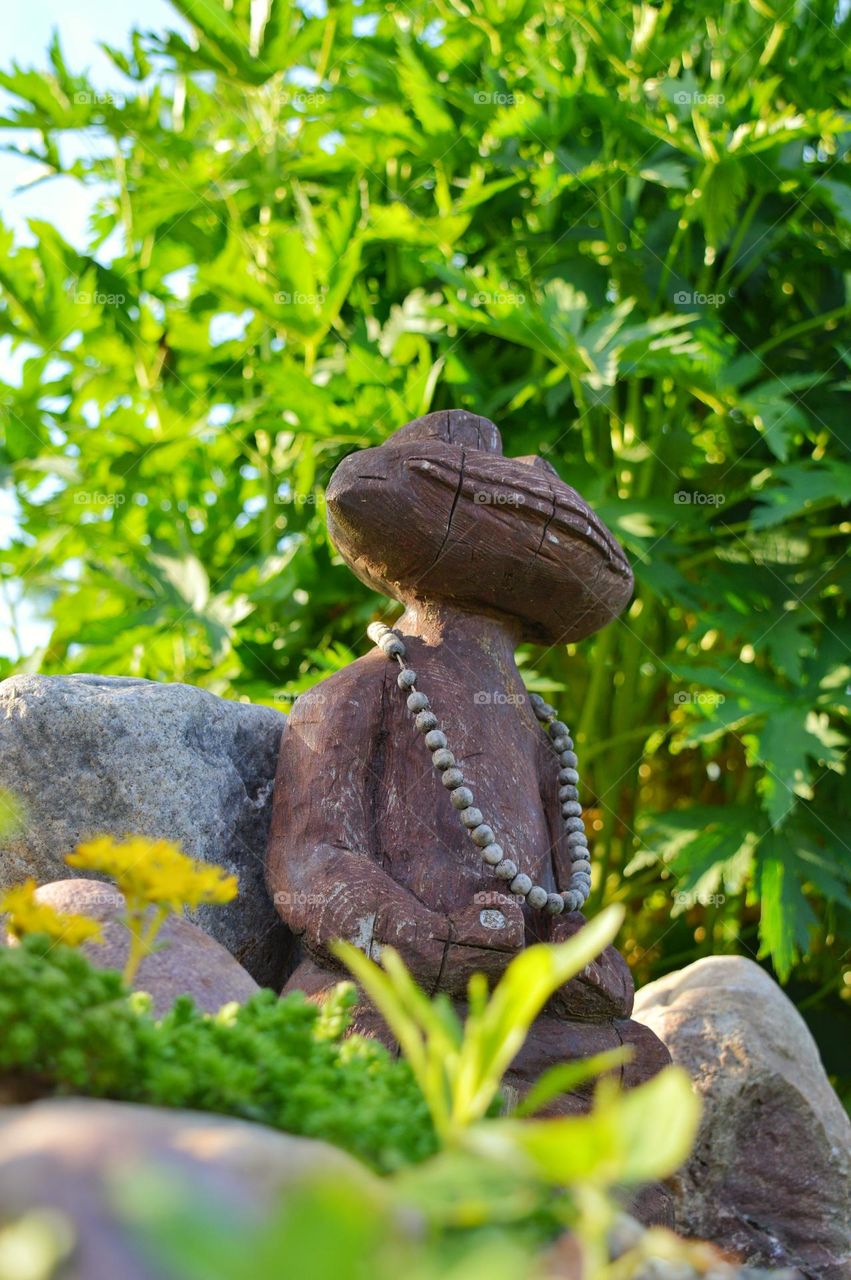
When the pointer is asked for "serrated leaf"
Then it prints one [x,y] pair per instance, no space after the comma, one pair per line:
[786,918]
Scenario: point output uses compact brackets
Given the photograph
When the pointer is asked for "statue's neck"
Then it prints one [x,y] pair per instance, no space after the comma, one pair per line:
[485,645]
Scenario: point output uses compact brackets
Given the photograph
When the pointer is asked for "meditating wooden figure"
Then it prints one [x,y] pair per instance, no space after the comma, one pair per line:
[424,799]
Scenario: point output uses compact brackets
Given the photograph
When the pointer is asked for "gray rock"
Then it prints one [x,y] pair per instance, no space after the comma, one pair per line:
[187,962]
[770,1176]
[668,1257]
[91,1162]
[93,754]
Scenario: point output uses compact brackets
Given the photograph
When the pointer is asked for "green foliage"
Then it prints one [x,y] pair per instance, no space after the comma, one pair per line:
[339,1231]
[492,1209]
[623,232]
[460,1068]
[71,1028]
[498,1192]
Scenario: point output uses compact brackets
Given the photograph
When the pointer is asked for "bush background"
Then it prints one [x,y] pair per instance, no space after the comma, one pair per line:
[621,231]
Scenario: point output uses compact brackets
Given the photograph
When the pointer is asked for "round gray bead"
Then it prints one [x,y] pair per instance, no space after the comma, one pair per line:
[482,835]
[571,809]
[392,646]
[562,744]
[573,824]
[417,702]
[577,840]
[472,817]
[537,897]
[582,884]
[442,759]
[558,729]
[435,739]
[564,782]
[425,721]
[569,759]
[581,865]
[452,779]
[535,699]
[462,797]
[521,884]
[492,854]
[572,900]
[406,678]
[555,904]
[570,774]
[506,870]
[568,793]
[542,709]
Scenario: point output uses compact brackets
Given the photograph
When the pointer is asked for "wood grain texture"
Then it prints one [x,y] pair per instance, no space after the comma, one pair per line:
[365,843]
[431,516]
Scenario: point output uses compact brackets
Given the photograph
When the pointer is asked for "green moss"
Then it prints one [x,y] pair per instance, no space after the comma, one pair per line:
[69,1028]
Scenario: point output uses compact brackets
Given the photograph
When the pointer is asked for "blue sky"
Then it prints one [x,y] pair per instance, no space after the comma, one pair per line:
[64,202]
[28,28]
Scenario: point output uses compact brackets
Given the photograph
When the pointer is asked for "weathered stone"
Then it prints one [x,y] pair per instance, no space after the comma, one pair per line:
[770,1175]
[83,1158]
[663,1256]
[92,754]
[187,960]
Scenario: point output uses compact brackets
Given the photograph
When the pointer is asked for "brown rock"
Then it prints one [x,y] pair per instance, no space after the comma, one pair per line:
[83,1158]
[770,1175]
[189,962]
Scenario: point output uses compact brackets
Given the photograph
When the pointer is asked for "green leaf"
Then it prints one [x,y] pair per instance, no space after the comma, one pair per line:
[494,1037]
[800,489]
[786,918]
[564,1077]
[629,1138]
[667,173]
[784,746]
[421,92]
[460,1074]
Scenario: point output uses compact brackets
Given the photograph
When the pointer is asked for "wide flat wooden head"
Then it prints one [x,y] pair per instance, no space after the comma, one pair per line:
[438,513]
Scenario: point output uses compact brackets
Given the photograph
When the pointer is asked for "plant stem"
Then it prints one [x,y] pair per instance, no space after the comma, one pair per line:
[141,939]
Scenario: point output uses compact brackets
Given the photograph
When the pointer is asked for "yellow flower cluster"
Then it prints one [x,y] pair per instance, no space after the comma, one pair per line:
[154,872]
[26,915]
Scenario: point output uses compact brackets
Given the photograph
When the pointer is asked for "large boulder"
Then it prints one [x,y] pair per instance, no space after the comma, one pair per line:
[187,960]
[93,754]
[85,1159]
[770,1174]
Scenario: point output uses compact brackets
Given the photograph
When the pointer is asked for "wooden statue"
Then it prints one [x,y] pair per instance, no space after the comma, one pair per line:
[372,835]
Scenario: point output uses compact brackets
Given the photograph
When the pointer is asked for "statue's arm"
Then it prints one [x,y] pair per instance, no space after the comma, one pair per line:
[323,869]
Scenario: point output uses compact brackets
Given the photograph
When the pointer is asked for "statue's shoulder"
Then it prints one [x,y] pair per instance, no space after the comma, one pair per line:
[351,696]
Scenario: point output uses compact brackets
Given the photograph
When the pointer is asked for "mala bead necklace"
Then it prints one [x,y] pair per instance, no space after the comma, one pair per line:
[461,796]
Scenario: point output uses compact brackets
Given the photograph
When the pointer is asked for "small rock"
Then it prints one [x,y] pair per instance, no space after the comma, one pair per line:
[90,755]
[187,961]
[78,1156]
[770,1174]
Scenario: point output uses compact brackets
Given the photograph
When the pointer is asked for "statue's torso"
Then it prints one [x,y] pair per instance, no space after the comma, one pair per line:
[506,761]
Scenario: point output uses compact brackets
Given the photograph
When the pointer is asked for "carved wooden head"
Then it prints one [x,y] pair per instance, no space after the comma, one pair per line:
[436,513]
